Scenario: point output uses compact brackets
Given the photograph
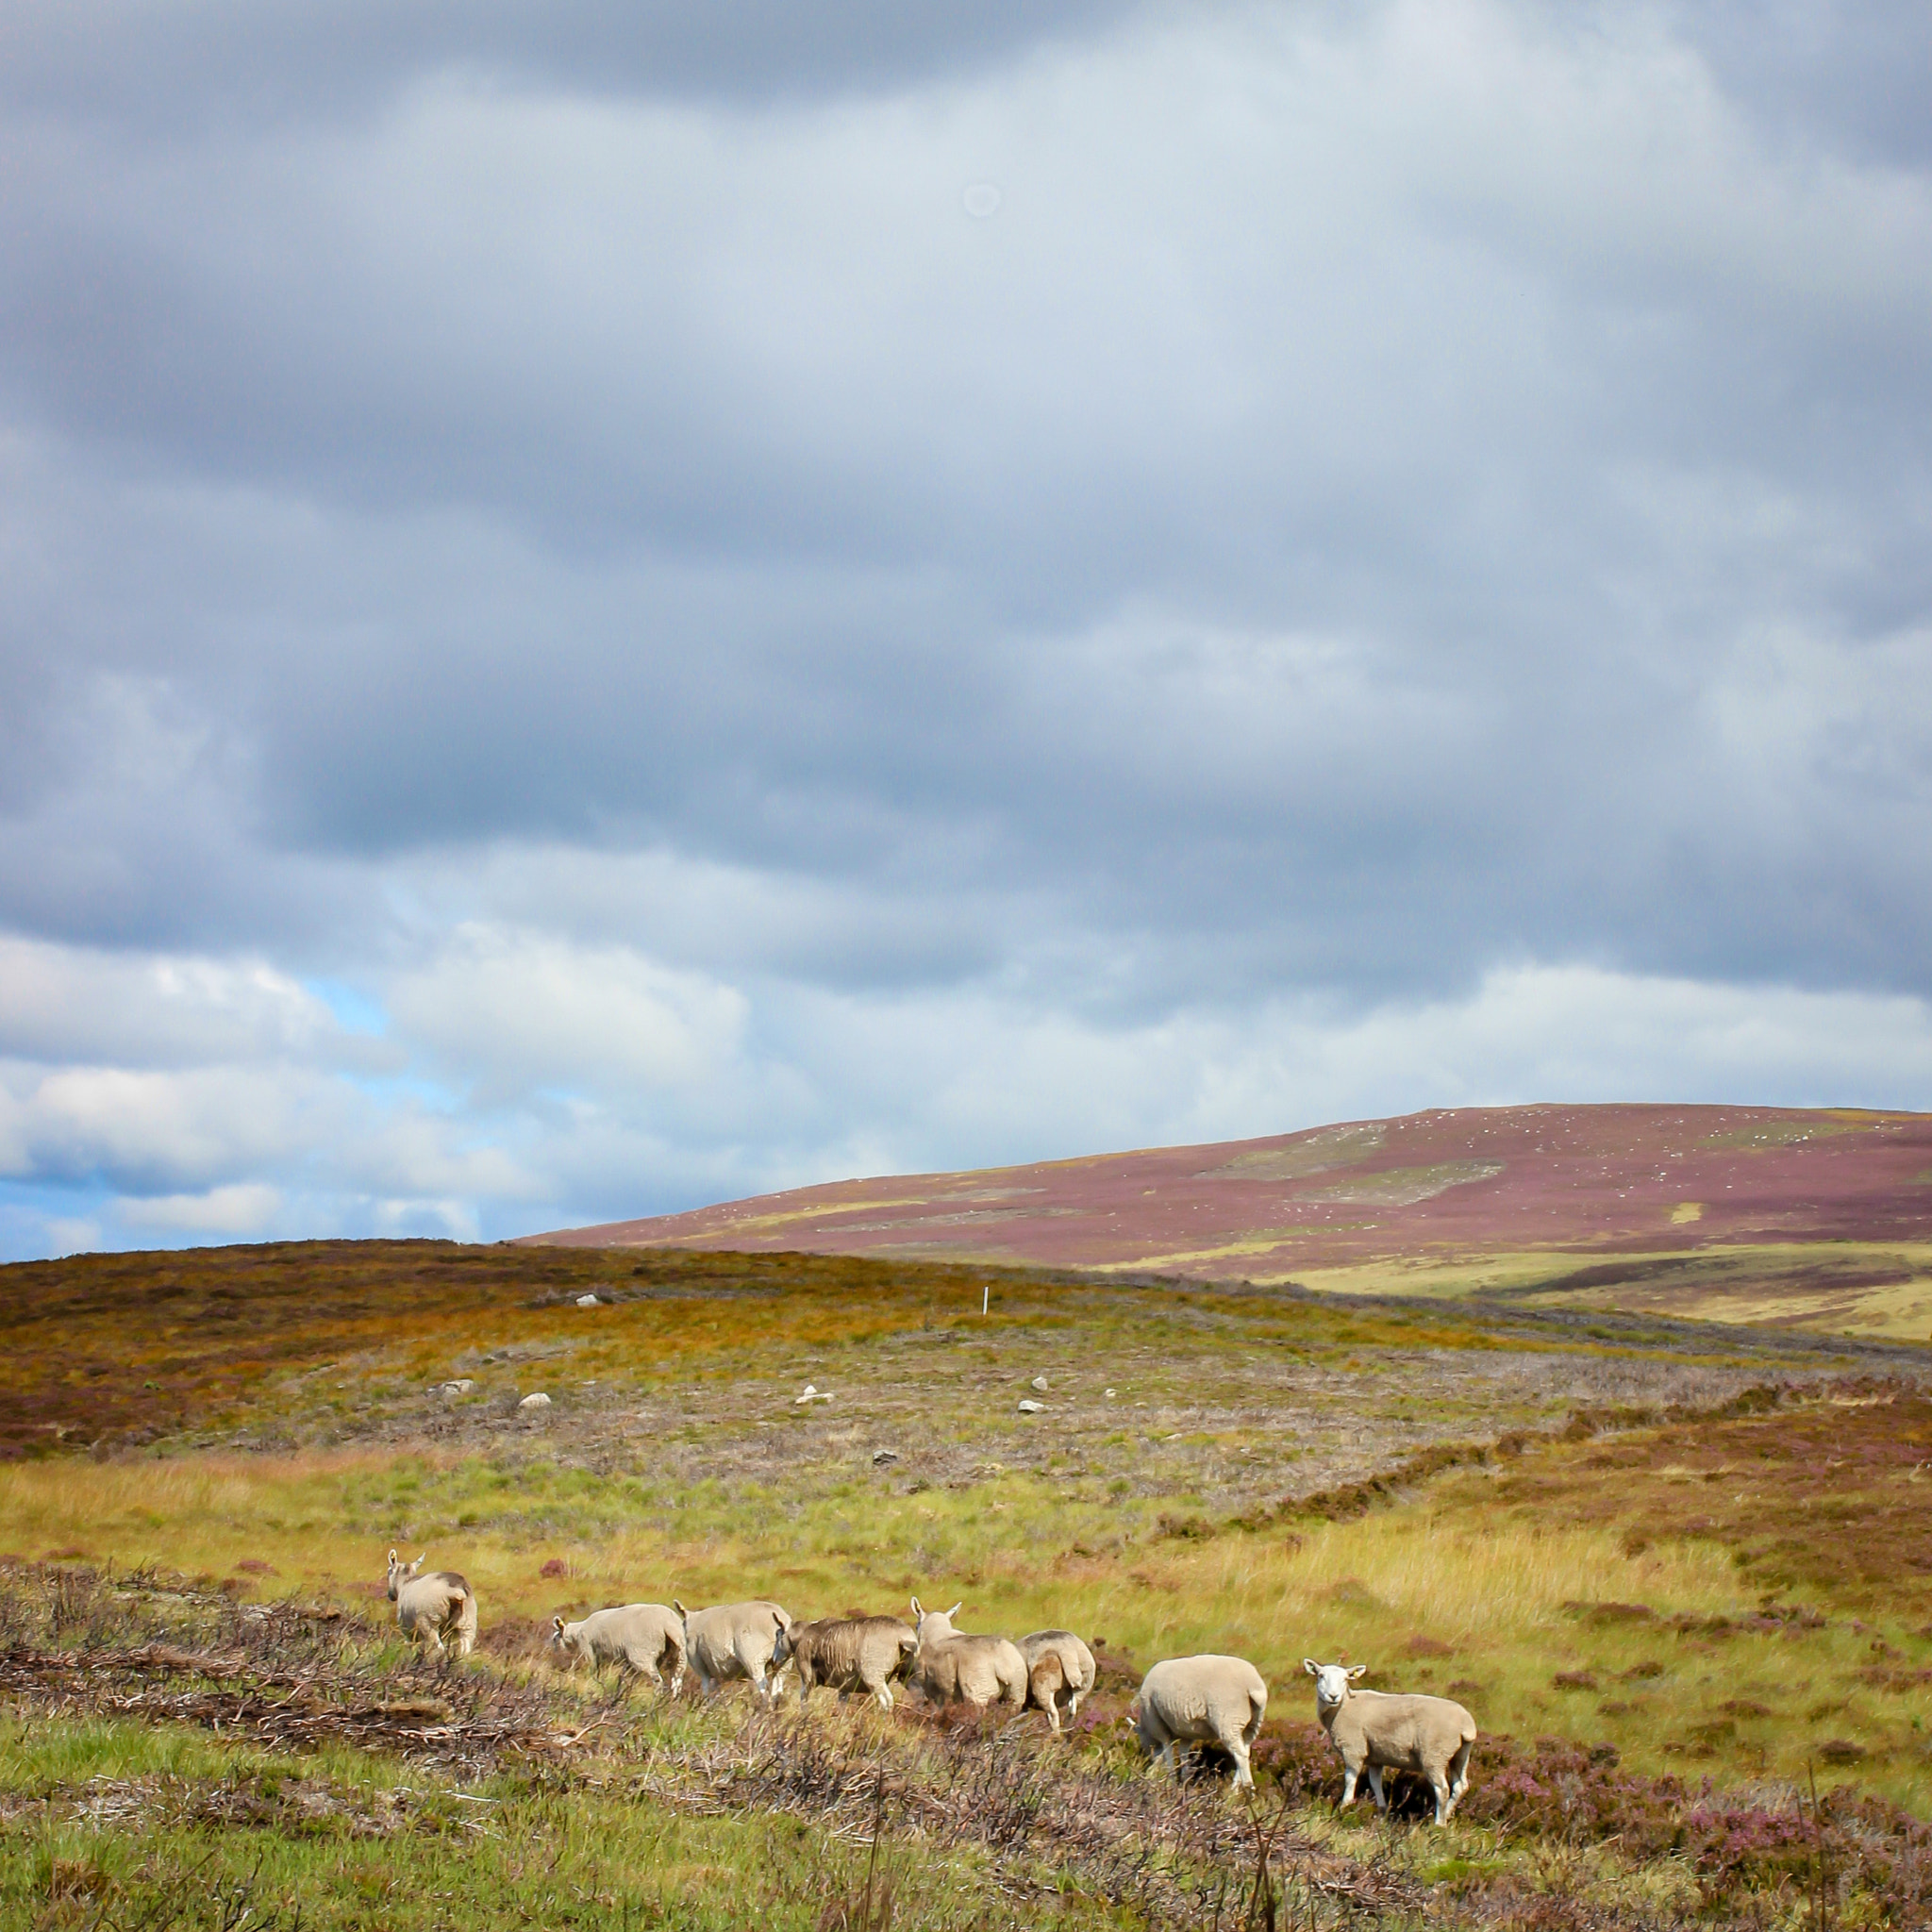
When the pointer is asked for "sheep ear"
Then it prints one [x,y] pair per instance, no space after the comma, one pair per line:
[556,1625]
[682,1613]
[956,1609]
[1310,1665]
[916,1611]
[392,1556]
[1360,1671]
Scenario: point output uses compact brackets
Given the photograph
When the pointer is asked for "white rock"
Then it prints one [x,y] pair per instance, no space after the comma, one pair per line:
[1028,1407]
[810,1394]
[461,1386]
[536,1401]
[1110,1394]
[587,1300]
[1039,1382]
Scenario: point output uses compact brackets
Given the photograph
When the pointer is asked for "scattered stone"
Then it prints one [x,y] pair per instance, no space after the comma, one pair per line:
[587,1301]
[1039,1382]
[810,1394]
[536,1401]
[881,1456]
[460,1386]
[1028,1407]
[1110,1394]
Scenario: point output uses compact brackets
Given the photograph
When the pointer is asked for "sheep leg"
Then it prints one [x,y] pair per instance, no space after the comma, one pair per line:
[884,1694]
[1376,1785]
[1440,1785]
[1349,1775]
[1459,1770]
[1236,1748]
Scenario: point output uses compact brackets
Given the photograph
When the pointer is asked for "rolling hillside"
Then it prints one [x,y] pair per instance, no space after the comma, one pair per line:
[1821,1218]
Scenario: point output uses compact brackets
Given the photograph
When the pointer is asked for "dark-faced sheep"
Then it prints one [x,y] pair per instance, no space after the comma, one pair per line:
[850,1654]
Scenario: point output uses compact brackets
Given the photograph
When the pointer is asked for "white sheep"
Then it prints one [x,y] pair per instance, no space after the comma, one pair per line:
[643,1637]
[1202,1700]
[734,1641]
[953,1666]
[433,1606]
[1059,1671]
[1372,1730]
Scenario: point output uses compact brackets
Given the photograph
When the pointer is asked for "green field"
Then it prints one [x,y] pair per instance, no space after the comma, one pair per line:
[1680,1574]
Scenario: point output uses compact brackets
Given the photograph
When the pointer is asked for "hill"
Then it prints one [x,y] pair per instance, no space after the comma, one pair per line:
[1818,1218]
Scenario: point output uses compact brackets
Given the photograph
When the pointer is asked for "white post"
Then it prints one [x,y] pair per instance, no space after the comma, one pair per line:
[985,1290]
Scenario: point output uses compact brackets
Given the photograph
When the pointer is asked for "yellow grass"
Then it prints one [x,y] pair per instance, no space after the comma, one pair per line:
[1450,1568]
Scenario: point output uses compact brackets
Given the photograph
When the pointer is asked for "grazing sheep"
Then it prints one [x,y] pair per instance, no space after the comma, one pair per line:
[1373,1729]
[1202,1700]
[951,1666]
[643,1637]
[732,1641]
[433,1606]
[849,1654]
[1059,1671]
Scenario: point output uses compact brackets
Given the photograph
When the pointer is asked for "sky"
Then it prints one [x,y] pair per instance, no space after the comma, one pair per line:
[609,606]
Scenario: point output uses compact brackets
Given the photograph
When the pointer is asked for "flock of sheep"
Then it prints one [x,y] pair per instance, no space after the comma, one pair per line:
[1183,1700]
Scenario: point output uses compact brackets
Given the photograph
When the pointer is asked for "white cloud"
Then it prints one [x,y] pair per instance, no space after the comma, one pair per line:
[145,1010]
[240,1209]
[516,1011]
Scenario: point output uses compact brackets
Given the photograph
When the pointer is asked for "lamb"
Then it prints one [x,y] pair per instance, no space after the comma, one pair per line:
[433,1606]
[971,1670]
[732,1641]
[1059,1671]
[849,1654]
[643,1637]
[1373,1729]
[1202,1700]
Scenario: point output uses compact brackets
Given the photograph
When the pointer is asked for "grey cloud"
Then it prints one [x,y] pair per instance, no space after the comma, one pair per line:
[1388,493]
[164,68]
[1847,74]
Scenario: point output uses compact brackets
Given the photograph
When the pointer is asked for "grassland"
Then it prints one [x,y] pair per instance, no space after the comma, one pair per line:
[1646,1552]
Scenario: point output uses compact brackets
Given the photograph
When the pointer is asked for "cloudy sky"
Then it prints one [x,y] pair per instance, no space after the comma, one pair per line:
[606,607]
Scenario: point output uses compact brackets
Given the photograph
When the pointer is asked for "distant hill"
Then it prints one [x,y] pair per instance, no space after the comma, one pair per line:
[1821,1217]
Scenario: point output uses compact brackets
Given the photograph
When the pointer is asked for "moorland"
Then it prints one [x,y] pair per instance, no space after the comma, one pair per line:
[1809,1217]
[1680,1570]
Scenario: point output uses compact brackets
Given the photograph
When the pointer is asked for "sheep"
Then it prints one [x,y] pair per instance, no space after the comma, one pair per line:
[849,1654]
[638,1637]
[1200,1700]
[974,1670]
[1059,1671]
[732,1641]
[433,1606]
[1370,1729]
